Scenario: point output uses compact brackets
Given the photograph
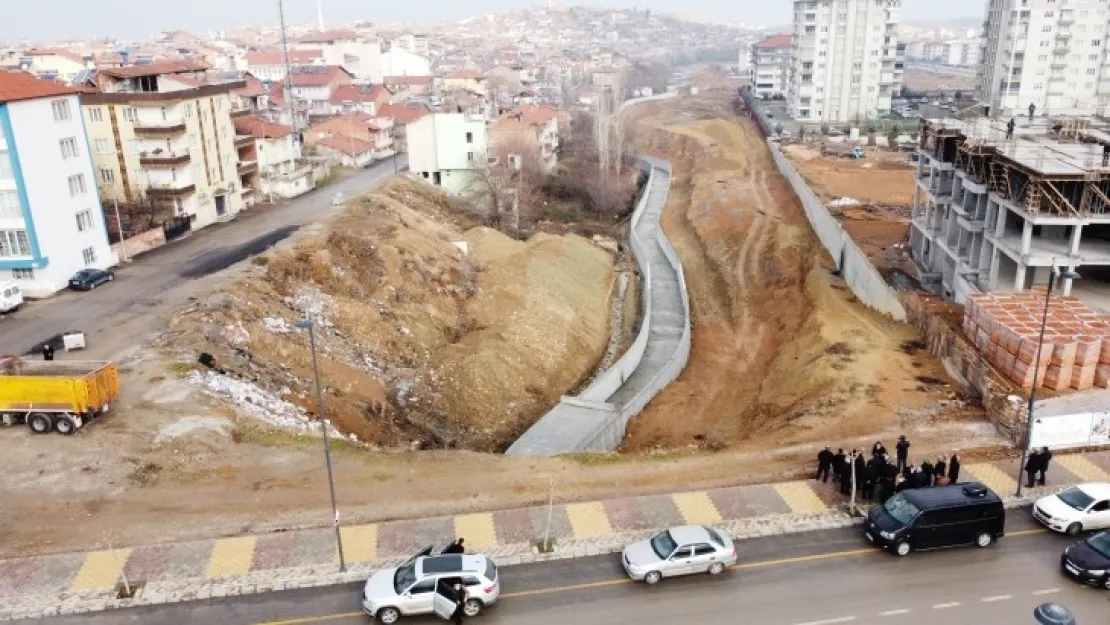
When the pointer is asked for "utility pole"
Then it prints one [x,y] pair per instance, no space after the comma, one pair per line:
[119,229]
[288,82]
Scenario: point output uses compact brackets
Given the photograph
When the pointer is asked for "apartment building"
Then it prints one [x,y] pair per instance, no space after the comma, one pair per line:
[1046,53]
[996,213]
[270,64]
[268,161]
[846,61]
[447,149]
[163,144]
[770,66]
[314,86]
[51,222]
[529,131]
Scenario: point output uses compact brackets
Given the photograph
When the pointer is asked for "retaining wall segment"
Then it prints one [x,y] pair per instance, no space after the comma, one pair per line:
[596,419]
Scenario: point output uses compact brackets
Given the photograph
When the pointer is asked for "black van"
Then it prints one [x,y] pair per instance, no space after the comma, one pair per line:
[937,517]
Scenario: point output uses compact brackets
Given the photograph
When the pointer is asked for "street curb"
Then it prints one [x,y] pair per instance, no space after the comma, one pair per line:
[276,580]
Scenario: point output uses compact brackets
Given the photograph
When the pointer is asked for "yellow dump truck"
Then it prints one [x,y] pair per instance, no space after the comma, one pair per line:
[60,396]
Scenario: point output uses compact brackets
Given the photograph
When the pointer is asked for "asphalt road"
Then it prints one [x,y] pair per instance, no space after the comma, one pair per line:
[816,578]
[114,314]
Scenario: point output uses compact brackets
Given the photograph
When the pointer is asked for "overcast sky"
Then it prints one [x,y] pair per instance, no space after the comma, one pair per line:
[132,19]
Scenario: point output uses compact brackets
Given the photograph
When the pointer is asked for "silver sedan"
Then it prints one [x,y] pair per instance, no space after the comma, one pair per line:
[679,551]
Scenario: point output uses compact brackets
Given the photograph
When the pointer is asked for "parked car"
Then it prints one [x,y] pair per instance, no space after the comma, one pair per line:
[89,279]
[938,517]
[678,551]
[1072,510]
[11,297]
[413,587]
[1089,560]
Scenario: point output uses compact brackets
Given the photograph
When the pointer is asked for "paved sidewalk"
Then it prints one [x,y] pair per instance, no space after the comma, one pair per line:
[82,582]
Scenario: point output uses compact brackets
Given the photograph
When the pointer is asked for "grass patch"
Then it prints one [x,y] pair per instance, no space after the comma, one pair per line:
[182,369]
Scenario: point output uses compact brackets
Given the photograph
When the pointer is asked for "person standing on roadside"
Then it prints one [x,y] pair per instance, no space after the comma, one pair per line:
[460,604]
[824,462]
[838,465]
[877,450]
[1032,465]
[927,472]
[860,467]
[1046,456]
[903,451]
[954,469]
[940,474]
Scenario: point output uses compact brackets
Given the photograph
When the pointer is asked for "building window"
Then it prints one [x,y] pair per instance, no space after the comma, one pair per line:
[76,184]
[61,110]
[129,114]
[470,157]
[470,137]
[9,205]
[84,220]
[89,254]
[23,274]
[5,166]
[107,176]
[102,146]
[193,140]
[134,146]
[96,114]
[14,243]
[69,148]
[188,110]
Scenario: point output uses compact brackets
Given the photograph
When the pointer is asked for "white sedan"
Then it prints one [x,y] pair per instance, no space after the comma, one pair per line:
[679,551]
[1075,509]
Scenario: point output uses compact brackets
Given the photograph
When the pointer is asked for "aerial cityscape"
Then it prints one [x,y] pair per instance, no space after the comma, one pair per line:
[313,312]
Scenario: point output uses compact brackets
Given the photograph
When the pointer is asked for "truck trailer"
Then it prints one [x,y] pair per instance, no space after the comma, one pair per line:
[55,396]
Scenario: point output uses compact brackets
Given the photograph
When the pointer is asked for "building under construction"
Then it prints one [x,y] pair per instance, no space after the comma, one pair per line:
[998,203]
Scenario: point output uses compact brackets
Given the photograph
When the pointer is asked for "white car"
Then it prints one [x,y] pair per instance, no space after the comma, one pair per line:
[1075,509]
[682,550]
[417,586]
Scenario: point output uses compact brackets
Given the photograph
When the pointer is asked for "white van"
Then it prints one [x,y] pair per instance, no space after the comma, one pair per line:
[11,297]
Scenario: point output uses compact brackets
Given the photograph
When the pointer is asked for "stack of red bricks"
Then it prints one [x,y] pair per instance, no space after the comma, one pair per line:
[1006,326]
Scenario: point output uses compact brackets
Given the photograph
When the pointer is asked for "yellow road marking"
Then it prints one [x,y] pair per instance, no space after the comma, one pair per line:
[477,529]
[697,508]
[588,520]
[100,570]
[360,542]
[1082,468]
[625,580]
[992,476]
[800,497]
[231,556]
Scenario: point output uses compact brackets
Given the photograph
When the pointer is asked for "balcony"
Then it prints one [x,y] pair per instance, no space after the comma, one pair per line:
[163,158]
[247,167]
[1062,36]
[243,112]
[170,190]
[242,141]
[161,128]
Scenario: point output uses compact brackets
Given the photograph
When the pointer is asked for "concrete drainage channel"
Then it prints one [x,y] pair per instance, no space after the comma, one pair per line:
[596,419]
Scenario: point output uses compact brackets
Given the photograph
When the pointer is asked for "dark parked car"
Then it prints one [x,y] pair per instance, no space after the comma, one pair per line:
[89,279]
[1089,560]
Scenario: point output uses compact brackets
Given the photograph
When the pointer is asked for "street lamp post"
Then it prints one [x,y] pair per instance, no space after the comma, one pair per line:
[1027,437]
[308,324]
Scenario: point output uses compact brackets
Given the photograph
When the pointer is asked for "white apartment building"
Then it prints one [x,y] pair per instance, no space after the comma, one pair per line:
[51,222]
[446,149]
[770,66]
[847,63]
[1047,53]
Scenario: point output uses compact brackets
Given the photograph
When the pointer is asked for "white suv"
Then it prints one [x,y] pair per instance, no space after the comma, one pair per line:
[412,587]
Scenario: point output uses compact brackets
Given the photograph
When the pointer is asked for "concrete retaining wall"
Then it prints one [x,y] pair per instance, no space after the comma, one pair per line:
[146,241]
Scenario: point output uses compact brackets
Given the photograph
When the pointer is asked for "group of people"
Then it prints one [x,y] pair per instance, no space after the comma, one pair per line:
[882,475]
[1036,465]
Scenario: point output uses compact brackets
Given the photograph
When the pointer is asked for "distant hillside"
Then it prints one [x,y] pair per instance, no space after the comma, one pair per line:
[950,23]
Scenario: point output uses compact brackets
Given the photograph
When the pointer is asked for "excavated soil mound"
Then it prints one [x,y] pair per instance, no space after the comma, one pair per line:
[419,344]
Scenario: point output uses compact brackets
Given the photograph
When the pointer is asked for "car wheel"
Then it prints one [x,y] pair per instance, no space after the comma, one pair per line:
[388,615]
[1074,529]
[653,577]
[716,568]
[983,540]
[472,607]
[111,277]
[92,285]
[902,549]
[40,423]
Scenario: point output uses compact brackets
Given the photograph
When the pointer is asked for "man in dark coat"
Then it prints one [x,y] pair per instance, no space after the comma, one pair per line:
[838,465]
[954,469]
[455,547]
[903,449]
[877,450]
[1046,456]
[927,472]
[940,469]
[860,466]
[824,462]
[846,475]
[460,604]
[870,478]
[1032,465]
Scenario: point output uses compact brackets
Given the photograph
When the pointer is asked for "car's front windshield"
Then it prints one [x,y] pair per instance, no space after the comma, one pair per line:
[404,577]
[1076,498]
[663,545]
[901,509]
[1100,542]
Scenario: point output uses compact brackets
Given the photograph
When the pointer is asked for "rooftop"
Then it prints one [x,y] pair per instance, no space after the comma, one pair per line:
[257,127]
[154,69]
[346,144]
[358,93]
[16,86]
[775,41]
[273,57]
[328,35]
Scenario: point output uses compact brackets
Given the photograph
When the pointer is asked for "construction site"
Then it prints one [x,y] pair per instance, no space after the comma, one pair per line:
[998,203]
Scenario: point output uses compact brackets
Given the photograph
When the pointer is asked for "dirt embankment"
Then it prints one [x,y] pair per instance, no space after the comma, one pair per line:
[782,352]
[420,344]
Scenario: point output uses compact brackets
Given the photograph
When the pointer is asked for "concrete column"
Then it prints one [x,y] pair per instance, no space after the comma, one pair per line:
[1068,281]
[1026,238]
[1076,234]
[992,283]
[1000,224]
[1019,278]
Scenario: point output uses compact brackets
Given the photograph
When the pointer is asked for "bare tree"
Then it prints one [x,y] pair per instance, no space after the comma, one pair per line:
[509,184]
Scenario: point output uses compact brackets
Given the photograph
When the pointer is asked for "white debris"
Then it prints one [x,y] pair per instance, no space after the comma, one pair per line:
[186,425]
[844,201]
[277,325]
[236,334]
[256,402]
[312,303]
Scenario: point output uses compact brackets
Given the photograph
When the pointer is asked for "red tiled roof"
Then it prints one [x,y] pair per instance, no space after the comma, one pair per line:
[154,69]
[257,127]
[402,113]
[273,57]
[355,93]
[277,94]
[531,115]
[407,80]
[328,35]
[16,86]
[254,88]
[346,144]
[317,78]
[776,41]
